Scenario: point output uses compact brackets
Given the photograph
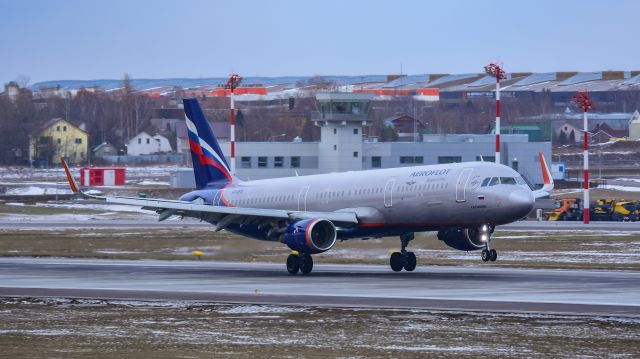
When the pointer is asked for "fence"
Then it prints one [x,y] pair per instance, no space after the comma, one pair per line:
[146,159]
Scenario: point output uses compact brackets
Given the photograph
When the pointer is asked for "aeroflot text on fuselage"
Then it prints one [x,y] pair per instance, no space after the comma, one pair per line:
[430,173]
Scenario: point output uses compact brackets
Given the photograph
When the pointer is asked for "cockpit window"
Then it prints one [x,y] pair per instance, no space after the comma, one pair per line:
[494,181]
[507,180]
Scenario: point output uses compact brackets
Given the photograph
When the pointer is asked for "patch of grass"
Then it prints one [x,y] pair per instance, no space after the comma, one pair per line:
[533,249]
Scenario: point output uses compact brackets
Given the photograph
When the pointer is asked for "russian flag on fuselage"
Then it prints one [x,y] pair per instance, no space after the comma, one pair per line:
[209,165]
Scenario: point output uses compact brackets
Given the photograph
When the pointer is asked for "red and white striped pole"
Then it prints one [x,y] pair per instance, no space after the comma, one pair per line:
[498,119]
[494,70]
[232,133]
[584,102]
[585,175]
[232,83]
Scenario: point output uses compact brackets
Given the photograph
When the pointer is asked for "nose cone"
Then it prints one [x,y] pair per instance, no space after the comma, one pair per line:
[521,202]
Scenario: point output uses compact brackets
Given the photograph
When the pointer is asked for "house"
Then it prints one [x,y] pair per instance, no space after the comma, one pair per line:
[220,129]
[407,127]
[604,133]
[145,144]
[58,138]
[567,132]
[104,149]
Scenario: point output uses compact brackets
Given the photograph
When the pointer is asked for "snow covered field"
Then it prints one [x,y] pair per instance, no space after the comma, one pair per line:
[75,328]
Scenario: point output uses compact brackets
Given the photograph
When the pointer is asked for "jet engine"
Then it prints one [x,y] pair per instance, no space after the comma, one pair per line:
[315,235]
[466,239]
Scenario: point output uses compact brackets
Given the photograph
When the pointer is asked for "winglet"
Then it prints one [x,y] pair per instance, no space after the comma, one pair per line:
[546,174]
[72,182]
[547,179]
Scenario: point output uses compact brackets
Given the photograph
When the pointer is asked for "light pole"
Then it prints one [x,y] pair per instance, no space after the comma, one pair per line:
[496,71]
[584,102]
[232,83]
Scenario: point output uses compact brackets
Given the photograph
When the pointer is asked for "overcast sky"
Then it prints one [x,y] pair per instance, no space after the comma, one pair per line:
[81,39]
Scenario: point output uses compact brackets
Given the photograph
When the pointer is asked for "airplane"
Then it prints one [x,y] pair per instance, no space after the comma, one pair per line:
[463,202]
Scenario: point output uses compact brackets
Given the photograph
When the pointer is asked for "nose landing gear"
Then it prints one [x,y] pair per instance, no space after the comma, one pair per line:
[403,259]
[488,254]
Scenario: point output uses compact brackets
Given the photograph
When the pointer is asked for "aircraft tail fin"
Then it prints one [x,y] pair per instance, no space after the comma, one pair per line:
[210,168]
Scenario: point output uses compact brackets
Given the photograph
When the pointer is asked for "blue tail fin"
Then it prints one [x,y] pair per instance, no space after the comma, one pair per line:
[210,168]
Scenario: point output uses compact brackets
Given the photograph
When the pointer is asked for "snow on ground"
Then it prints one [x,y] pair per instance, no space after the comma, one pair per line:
[258,309]
[628,179]
[97,206]
[34,191]
[49,217]
[153,183]
[619,188]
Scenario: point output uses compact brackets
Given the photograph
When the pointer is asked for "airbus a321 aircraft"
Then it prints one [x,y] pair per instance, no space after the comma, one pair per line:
[463,202]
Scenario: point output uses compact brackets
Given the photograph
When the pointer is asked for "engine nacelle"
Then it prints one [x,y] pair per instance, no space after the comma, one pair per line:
[465,239]
[315,235]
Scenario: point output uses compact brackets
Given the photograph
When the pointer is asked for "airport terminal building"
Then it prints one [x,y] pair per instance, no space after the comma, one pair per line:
[341,117]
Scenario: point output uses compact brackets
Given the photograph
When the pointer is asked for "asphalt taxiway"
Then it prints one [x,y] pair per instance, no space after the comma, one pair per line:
[475,288]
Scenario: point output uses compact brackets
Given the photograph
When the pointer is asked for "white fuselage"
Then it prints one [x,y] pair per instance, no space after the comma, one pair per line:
[422,197]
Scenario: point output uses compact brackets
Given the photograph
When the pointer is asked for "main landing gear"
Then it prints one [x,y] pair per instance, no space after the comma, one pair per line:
[487,254]
[403,259]
[299,262]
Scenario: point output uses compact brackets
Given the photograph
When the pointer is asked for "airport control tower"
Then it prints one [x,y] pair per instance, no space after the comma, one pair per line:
[341,118]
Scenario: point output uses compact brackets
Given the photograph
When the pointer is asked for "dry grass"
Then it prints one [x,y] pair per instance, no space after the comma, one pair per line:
[516,249]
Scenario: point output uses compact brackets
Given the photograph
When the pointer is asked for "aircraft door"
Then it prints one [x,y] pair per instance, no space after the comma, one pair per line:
[461,184]
[302,198]
[216,198]
[388,192]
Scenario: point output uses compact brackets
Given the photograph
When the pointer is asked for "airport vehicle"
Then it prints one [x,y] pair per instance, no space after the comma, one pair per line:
[462,201]
[568,209]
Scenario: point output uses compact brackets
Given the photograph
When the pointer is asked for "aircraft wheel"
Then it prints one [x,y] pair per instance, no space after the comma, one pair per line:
[396,261]
[411,262]
[485,255]
[493,255]
[293,264]
[306,264]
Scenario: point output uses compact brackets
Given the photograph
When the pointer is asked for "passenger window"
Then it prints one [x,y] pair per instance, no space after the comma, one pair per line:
[494,181]
[507,180]
[485,182]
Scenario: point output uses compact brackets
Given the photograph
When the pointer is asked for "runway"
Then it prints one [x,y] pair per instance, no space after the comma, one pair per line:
[143,222]
[477,288]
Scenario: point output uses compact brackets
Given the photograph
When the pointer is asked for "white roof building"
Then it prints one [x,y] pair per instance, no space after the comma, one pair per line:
[145,144]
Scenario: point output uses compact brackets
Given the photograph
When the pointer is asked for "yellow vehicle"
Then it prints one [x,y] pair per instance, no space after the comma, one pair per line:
[625,211]
[567,209]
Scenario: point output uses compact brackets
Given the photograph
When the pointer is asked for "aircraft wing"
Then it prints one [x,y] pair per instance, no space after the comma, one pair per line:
[221,215]
[546,177]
